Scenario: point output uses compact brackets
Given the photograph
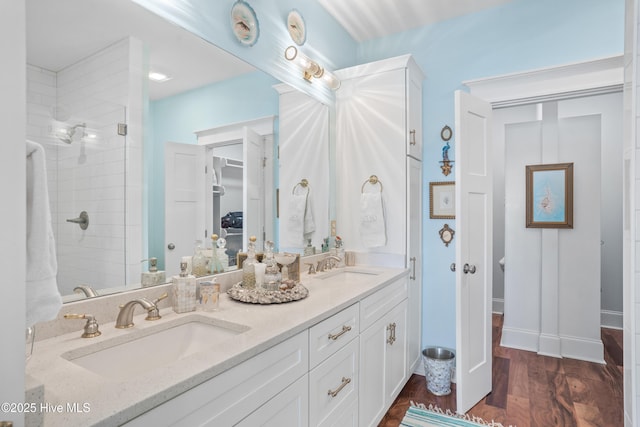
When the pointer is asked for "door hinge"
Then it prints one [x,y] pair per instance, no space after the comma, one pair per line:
[264,162]
[122,129]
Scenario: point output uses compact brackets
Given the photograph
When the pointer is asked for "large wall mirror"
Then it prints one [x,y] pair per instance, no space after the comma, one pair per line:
[105,128]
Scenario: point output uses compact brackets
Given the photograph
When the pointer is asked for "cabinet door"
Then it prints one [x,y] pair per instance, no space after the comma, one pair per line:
[414,114]
[383,364]
[372,394]
[289,408]
[395,352]
[414,251]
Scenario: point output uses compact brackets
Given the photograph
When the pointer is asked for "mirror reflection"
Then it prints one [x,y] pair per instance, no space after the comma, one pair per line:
[105,126]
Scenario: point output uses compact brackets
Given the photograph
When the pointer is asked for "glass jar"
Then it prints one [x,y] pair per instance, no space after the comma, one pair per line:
[248,265]
[272,276]
[199,262]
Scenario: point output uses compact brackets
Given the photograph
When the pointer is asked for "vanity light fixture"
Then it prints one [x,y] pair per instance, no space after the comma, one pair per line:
[310,68]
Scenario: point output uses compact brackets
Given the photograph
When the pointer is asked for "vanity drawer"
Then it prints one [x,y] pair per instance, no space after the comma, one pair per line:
[375,306]
[333,387]
[332,334]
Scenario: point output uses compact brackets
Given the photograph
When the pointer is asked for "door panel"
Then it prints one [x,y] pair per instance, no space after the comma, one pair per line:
[473,250]
[184,202]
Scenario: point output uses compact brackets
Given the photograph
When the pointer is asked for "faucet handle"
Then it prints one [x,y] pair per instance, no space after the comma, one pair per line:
[160,298]
[90,328]
[154,313]
[312,269]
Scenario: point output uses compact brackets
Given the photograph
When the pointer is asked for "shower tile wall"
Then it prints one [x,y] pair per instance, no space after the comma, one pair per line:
[91,175]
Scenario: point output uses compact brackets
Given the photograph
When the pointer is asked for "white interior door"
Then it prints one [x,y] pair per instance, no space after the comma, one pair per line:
[253,189]
[184,205]
[474,212]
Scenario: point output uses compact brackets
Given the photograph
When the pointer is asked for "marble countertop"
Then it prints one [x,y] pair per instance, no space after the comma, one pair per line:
[74,396]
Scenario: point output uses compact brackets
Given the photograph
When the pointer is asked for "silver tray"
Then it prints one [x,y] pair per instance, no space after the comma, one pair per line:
[261,296]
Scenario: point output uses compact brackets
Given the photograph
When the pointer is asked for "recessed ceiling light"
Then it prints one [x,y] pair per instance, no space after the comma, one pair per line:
[158,77]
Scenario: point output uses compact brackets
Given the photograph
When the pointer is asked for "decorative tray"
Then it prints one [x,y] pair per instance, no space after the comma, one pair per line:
[261,296]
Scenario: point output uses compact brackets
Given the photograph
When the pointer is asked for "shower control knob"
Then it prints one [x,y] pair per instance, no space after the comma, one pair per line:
[171,246]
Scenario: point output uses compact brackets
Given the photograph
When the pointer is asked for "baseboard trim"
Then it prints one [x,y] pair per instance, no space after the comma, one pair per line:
[582,349]
[611,319]
[498,305]
[521,339]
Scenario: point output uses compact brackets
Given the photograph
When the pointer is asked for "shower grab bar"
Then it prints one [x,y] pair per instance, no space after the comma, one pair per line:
[82,220]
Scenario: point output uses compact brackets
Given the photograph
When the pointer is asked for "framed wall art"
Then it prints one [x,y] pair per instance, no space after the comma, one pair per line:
[442,200]
[549,198]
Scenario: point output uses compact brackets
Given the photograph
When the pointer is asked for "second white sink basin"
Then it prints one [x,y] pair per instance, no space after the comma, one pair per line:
[348,275]
[141,351]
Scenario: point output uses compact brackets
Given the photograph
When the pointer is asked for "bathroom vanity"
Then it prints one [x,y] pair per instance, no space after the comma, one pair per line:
[341,354]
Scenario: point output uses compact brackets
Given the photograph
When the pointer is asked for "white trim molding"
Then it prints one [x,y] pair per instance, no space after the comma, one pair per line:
[561,82]
[262,126]
[611,319]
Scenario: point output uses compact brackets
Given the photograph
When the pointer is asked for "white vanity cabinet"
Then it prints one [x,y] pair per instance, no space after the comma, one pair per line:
[383,351]
[379,132]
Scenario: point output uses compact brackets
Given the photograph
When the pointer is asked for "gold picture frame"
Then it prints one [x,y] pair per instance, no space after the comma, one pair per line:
[549,197]
[442,200]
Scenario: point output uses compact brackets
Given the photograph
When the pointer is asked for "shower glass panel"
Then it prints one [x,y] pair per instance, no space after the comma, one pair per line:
[87,177]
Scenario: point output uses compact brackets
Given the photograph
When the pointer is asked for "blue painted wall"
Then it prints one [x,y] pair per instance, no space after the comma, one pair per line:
[518,36]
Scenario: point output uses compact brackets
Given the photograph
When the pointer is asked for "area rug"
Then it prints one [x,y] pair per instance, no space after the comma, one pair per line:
[418,415]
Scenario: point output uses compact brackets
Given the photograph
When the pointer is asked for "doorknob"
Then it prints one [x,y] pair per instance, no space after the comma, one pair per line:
[171,246]
[469,269]
[452,267]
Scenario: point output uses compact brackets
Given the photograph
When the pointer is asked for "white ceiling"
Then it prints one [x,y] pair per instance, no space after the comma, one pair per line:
[62,32]
[369,19]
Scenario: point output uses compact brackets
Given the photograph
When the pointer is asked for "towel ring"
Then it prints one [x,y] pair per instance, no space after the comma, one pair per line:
[373,180]
[303,183]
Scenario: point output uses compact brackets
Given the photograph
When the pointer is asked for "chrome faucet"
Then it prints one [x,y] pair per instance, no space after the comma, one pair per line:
[125,316]
[327,263]
[87,290]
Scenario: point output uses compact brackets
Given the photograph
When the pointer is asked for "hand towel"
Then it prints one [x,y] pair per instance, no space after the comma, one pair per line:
[373,232]
[42,296]
[309,224]
[301,224]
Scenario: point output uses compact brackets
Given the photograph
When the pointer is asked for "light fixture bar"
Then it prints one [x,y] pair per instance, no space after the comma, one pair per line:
[310,68]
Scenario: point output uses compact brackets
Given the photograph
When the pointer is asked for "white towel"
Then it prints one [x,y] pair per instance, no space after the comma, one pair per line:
[301,224]
[373,232]
[42,295]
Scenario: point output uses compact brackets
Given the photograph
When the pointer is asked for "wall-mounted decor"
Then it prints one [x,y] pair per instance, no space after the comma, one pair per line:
[244,23]
[442,198]
[446,164]
[446,234]
[549,198]
[296,27]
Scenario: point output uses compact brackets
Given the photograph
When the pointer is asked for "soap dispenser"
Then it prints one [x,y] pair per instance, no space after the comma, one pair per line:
[183,289]
[154,276]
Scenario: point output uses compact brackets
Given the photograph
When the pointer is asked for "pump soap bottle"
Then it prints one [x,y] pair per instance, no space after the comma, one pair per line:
[154,276]
[183,290]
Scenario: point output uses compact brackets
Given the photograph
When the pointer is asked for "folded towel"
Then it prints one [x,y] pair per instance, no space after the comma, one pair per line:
[42,296]
[372,228]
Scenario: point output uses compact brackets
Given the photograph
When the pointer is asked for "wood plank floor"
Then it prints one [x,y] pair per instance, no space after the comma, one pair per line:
[537,391]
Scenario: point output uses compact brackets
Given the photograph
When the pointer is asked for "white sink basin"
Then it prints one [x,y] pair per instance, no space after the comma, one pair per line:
[348,275]
[138,352]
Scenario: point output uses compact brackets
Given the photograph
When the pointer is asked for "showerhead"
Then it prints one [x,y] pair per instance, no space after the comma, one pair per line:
[66,135]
